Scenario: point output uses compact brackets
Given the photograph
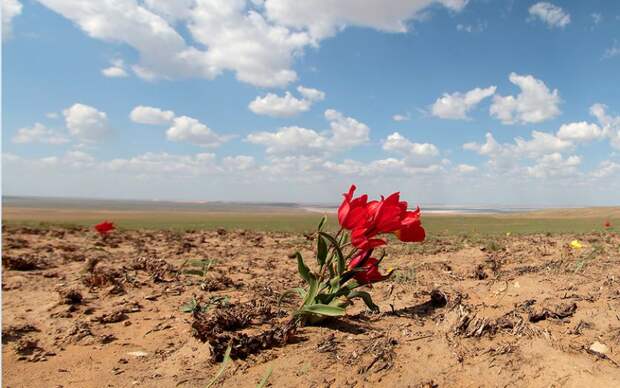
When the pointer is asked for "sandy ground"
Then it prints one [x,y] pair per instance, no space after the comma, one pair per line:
[517,311]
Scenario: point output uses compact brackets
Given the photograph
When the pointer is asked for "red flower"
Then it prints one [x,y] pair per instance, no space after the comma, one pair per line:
[104,227]
[607,224]
[411,227]
[368,272]
[353,212]
[389,215]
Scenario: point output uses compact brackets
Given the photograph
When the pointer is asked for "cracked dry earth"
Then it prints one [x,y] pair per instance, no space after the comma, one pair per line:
[459,312]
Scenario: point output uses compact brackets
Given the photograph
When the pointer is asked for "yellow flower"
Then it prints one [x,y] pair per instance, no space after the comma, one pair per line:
[576,244]
[507,234]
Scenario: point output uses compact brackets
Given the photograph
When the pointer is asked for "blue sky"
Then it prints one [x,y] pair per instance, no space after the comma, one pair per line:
[448,101]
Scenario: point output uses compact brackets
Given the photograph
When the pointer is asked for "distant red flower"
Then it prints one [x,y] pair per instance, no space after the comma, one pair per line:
[104,227]
[368,271]
[353,212]
[607,224]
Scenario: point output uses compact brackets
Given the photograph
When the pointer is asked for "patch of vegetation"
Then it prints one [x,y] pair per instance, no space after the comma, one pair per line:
[196,306]
[404,276]
[588,256]
[493,246]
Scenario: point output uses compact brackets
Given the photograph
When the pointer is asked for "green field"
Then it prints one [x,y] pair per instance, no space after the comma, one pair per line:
[525,223]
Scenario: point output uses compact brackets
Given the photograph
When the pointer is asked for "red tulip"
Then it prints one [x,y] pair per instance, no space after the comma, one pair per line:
[607,224]
[353,212]
[389,215]
[104,227]
[361,238]
[368,272]
[411,228]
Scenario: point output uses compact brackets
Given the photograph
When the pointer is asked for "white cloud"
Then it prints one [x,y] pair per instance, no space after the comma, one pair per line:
[239,163]
[554,165]
[535,103]
[383,167]
[400,144]
[39,133]
[10,9]
[606,169]
[580,132]
[164,163]
[190,130]
[502,157]
[610,124]
[457,105]
[173,11]
[324,18]
[162,50]
[416,159]
[86,123]
[399,117]
[551,14]
[541,143]
[469,28]
[78,159]
[298,168]
[490,147]
[346,133]
[259,42]
[290,140]
[612,51]
[596,17]
[287,105]
[260,53]
[117,70]
[52,115]
[465,169]
[150,115]
[311,94]
[505,157]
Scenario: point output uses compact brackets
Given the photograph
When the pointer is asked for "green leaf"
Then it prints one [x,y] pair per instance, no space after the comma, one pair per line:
[313,290]
[321,309]
[334,284]
[220,372]
[187,308]
[198,272]
[336,245]
[321,251]
[199,262]
[299,291]
[263,381]
[304,271]
[322,223]
[365,297]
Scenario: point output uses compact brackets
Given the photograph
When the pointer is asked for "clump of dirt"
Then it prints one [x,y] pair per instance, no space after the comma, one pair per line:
[97,276]
[112,317]
[15,332]
[159,270]
[71,296]
[218,283]
[560,311]
[77,332]
[23,263]
[220,329]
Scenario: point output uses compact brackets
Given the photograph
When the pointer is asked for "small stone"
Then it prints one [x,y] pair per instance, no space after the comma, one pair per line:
[138,353]
[599,348]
